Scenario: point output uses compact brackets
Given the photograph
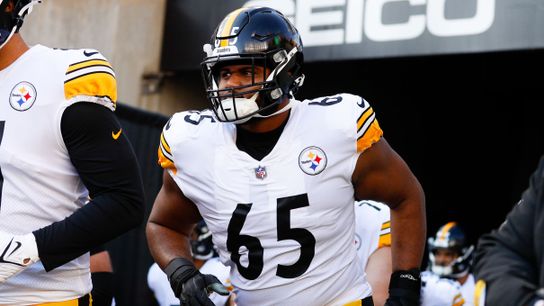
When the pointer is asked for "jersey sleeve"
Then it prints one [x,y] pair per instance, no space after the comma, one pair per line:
[368,129]
[166,158]
[90,77]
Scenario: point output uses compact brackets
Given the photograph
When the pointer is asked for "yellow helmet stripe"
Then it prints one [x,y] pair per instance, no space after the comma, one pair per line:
[227,25]
[446,229]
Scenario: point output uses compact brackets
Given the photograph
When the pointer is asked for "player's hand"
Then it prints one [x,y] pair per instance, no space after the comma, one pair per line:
[404,288]
[17,252]
[190,286]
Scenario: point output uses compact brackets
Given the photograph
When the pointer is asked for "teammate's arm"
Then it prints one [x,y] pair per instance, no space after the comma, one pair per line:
[378,270]
[382,175]
[109,170]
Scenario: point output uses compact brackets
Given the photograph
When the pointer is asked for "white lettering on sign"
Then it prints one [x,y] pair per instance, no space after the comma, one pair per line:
[336,22]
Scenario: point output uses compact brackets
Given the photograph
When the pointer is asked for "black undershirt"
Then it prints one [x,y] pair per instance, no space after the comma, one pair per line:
[258,145]
[109,170]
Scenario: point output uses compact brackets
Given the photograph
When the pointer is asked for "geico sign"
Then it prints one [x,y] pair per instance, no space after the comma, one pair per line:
[334,22]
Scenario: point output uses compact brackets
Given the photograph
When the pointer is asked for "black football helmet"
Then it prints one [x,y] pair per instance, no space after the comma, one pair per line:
[256,36]
[202,245]
[451,236]
[11,22]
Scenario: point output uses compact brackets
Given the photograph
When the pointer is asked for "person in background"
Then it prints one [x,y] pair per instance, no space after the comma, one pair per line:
[60,144]
[205,259]
[509,261]
[373,242]
[373,226]
[102,277]
[450,256]
[440,291]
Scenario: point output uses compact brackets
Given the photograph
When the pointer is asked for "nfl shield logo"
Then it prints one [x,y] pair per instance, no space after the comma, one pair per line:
[260,172]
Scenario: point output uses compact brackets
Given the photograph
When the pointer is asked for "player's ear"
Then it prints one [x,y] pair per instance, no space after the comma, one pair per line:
[9,7]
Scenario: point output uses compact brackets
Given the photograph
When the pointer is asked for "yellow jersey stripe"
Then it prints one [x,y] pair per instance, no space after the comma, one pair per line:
[445,230]
[386,225]
[372,134]
[385,240]
[88,63]
[458,300]
[227,25]
[354,303]
[165,162]
[165,144]
[73,302]
[97,84]
[479,293]
[364,117]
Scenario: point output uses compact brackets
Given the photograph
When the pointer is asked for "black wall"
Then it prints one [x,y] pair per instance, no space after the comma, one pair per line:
[471,126]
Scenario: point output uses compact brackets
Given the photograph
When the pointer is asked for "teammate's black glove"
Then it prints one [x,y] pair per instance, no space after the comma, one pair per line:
[190,286]
[404,288]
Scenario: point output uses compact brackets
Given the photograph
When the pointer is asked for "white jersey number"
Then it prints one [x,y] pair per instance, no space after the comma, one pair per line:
[255,250]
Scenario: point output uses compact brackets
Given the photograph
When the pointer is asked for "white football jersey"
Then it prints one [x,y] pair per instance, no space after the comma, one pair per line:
[40,184]
[285,224]
[372,228]
[436,291]
[159,284]
[468,289]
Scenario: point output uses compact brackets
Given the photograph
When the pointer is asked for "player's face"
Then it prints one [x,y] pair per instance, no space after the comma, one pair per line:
[444,257]
[242,75]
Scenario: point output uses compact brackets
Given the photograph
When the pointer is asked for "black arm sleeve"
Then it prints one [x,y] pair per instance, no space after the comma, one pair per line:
[509,260]
[109,170]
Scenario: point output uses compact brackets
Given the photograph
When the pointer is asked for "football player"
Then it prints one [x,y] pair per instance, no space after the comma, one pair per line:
[450,256]
[60,144]
[373,242]
[438,291]
[275,179]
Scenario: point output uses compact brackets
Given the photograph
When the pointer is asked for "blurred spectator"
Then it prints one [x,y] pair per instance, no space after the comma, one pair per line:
[438,291]
[450,256]
[509,262]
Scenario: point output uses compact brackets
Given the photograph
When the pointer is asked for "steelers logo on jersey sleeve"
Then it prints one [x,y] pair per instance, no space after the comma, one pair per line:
[312,160]
[22,96]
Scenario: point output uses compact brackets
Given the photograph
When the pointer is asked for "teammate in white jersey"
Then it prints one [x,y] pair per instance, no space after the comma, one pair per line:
[60,144]
[450,256]
[373,226]
[207,262]
[373,242]
[437,291]
[275,179]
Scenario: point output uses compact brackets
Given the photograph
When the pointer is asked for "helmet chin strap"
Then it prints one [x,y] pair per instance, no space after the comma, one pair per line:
[243,108]
[279,111]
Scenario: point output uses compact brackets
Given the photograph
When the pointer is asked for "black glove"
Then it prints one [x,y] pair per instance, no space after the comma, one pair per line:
[189,285]
[404,288]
